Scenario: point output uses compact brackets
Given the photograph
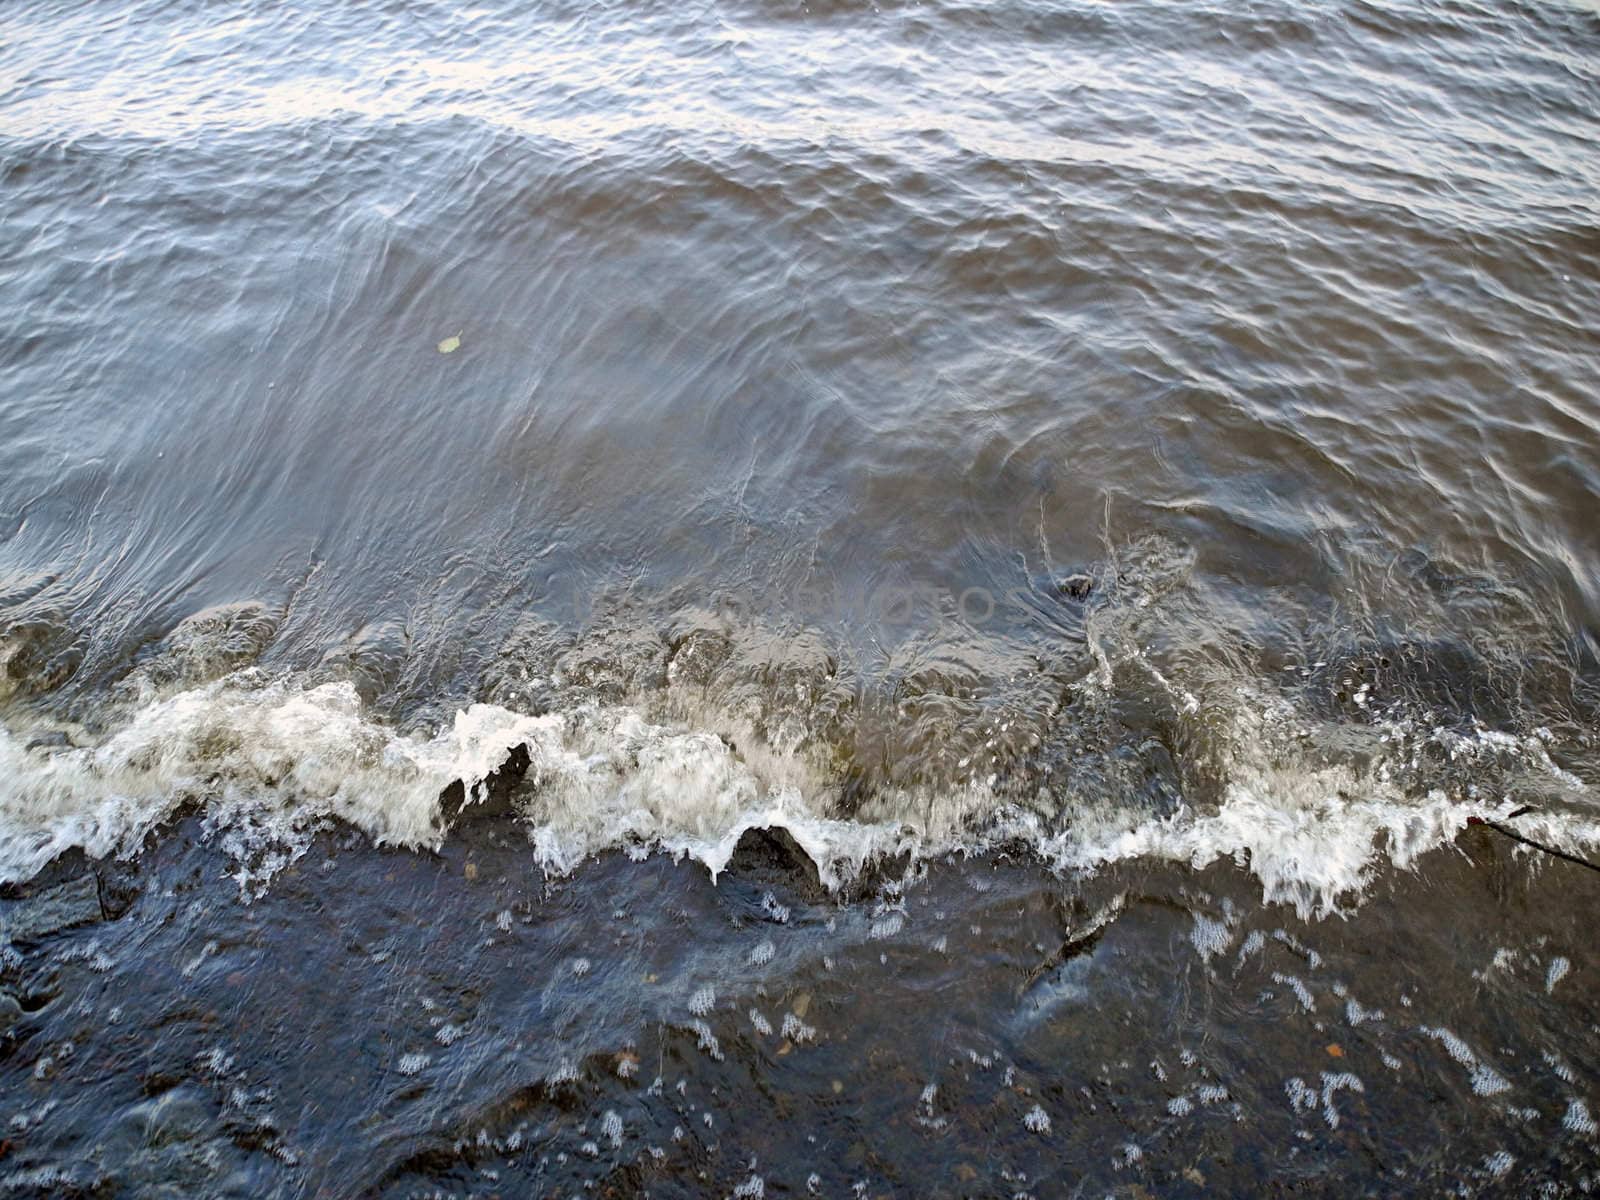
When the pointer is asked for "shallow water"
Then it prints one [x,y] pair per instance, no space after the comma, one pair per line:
[1052,440]
[400,1024]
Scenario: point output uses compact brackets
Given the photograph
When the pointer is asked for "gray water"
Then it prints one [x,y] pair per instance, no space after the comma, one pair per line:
[1079,441]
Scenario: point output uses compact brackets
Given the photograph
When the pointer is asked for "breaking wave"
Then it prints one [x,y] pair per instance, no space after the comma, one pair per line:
[680,738]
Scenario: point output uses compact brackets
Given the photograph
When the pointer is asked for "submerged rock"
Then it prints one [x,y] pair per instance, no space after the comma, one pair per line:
[1076,586]
[495,795]
[36,917]
[772,856]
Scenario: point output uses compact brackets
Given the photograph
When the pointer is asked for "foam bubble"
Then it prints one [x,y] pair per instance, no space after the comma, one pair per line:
[1485,1080]
[1559,966]
[1577,1119]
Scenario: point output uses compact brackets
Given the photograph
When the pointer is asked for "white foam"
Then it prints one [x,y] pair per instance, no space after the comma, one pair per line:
[1301,991]
[707,1041]
[1559,966]
[1356,1013]
[272,759]
[1577,1119]
[796,1030]
[1210,936]
[1499,1164]
[242,744]
[1311,837]
[1302,1097]
[1486,1081]
[411,1064]
[276,758]
[1332,1084]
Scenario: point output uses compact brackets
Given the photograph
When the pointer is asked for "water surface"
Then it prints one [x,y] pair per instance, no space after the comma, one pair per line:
[1077,441]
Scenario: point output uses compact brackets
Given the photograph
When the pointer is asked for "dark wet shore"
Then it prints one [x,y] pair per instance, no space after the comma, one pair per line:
[411,1024]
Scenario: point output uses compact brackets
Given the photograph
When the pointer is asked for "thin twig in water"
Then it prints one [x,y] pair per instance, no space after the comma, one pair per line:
[1574,859]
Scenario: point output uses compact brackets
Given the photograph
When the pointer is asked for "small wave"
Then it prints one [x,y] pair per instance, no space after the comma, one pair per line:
[272,759]
[283,757]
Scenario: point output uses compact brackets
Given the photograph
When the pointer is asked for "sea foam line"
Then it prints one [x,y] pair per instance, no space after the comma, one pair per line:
[277,758]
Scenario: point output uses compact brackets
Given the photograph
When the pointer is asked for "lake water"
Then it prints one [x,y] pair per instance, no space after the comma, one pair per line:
[762,599]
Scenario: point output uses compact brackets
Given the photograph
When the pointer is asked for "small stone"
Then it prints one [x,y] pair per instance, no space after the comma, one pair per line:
[493,796]
[1076,586]
[773,857]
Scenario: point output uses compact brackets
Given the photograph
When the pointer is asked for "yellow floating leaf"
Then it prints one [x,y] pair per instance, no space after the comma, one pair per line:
[451,344]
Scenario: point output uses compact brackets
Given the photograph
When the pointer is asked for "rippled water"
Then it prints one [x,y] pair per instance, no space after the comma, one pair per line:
[1063,438]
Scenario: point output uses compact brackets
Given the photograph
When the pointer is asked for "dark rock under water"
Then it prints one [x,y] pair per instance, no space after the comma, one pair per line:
[402,1024]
